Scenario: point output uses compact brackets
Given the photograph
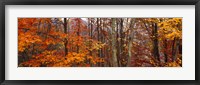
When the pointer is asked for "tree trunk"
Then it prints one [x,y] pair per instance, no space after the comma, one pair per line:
[65,31]
[114,51]
[122,55]
[118,44]
[91,29]
[130,43]
[175,49]
[78,34]
[165,50]
[155,42]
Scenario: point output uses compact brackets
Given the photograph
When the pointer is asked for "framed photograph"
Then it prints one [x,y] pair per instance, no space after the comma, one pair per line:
[99,42]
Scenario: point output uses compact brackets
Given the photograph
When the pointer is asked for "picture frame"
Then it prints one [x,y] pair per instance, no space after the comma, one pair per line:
[98,2]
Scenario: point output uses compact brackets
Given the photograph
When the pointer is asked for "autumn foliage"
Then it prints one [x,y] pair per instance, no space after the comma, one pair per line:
[99,42]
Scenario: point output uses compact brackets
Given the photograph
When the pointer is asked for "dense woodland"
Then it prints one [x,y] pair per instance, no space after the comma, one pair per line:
[100,42]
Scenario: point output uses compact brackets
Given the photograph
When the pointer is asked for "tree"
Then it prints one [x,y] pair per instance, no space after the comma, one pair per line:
[100,42]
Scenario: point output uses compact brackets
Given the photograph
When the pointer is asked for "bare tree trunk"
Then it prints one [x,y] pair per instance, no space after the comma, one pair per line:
[180,46]
[65,31]
[114,51]
[165,50]
[155,42]
[78,34]
[91,29]
[99,35]
[175,49]
[118,43]
[123,44]
[131,36]
[39,25]
[101,39]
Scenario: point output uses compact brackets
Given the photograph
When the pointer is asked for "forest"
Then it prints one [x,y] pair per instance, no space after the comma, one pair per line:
[100,42]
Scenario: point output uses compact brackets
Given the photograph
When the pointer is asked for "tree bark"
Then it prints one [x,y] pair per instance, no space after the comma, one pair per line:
[155,42]
[165,50]
[122,55]
[131,36]
[114,51]
[78,34]
[175,49]
[65,31]
[118,44]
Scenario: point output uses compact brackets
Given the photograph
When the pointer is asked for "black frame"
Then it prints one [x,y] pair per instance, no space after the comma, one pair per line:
[98,2]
